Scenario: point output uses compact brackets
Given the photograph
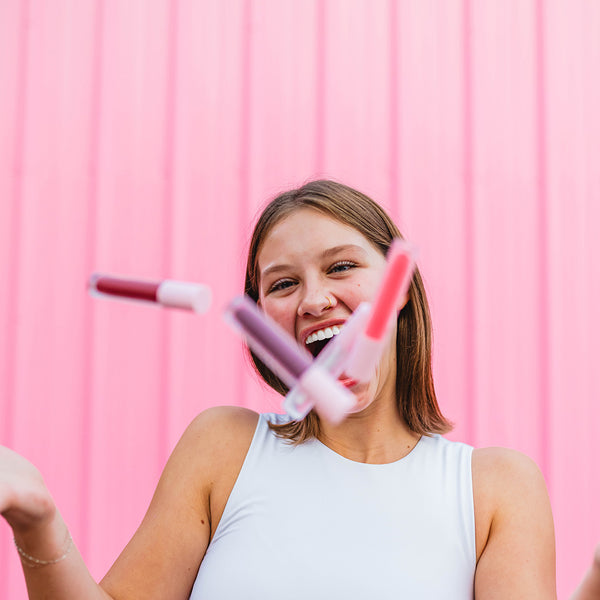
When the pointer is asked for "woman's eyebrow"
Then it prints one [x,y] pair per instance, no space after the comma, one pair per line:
[337,249]
[275,269]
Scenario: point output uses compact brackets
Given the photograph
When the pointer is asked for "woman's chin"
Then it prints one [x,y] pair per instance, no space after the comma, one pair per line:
[363,397]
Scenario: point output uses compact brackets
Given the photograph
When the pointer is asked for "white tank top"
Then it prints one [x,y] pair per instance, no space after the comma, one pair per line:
[304,523]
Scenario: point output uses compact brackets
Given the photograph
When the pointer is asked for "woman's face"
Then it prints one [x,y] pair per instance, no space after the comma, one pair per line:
[314,271]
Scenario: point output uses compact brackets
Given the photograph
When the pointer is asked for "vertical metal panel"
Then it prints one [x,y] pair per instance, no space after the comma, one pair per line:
[506,234]
[468,313]
[357,95]
[432,213]
[573,170]
[209,202]
[543,292]
[14,63]
[14,67]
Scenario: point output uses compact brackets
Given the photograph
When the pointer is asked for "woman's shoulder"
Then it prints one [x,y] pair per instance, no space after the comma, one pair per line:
[219,421]
[503,479]
[221,433]
[510,497]
[221,436]
[503,467]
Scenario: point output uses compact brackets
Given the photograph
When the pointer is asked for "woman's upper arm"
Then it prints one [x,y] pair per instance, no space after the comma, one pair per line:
[518,559]
[162,558]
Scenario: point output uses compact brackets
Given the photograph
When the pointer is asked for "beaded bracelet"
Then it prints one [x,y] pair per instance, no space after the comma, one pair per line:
[33,562]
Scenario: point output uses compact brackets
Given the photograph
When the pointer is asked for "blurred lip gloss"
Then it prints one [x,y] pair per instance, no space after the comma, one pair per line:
[168,292]
[369,344]
[290,362]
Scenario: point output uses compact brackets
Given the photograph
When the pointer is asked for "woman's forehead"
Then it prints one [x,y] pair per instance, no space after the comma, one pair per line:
[305,233]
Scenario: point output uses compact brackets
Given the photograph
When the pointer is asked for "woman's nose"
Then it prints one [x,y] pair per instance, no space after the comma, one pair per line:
[315,303]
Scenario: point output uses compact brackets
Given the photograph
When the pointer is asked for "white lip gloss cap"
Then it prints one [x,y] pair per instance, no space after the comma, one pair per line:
[183,294]
[332,401]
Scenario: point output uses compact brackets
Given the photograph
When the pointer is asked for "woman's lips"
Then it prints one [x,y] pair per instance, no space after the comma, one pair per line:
[347,382]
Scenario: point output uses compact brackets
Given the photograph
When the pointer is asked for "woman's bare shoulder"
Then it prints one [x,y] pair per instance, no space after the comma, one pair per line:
[502,478]
[221,434]
[223,421]
[220,437]
[502,465]
[513,523]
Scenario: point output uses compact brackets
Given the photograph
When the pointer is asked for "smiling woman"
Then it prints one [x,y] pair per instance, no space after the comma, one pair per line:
[365,233]
[379,505]
[428,504]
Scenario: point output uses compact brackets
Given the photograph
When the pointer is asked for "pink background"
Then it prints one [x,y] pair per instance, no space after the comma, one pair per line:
[141,137]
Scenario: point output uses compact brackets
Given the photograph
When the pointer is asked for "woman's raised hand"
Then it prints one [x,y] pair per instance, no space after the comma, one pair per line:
[25,502]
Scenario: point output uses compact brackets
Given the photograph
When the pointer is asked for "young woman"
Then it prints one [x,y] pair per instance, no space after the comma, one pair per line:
[379,506]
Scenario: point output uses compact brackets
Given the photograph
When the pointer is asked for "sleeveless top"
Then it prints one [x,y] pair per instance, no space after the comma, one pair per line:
[303,522]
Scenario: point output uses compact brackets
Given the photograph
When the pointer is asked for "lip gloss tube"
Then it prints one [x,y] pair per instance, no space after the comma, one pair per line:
[168,292]
[332,358]
[289,361]
[369,344]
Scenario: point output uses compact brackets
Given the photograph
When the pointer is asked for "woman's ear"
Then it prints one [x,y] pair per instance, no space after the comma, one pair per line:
[403,302]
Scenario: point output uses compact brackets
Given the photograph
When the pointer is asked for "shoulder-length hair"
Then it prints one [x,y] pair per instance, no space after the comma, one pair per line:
[415,392]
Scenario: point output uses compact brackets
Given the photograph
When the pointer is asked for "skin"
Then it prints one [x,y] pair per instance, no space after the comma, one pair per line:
[300,275]
[589,588]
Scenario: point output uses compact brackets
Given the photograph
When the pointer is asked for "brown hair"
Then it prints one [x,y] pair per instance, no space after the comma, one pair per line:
[415,391]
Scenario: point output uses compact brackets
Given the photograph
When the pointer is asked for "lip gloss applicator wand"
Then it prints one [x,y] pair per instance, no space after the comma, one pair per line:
[293,364]
[332,358]
[370,342]
[168,292]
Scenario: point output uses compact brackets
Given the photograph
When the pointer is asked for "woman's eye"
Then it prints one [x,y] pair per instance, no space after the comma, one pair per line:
[282,284]
[340,267]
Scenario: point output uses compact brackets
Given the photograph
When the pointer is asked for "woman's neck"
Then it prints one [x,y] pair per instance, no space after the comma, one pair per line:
[376,435]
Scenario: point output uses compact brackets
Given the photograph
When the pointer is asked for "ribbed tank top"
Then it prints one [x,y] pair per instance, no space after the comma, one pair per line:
[303,522]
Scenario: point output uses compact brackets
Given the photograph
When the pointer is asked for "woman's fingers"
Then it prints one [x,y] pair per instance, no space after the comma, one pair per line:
[24,499]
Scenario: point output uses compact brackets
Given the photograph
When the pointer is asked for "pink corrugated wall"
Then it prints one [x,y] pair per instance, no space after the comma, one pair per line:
[141,137]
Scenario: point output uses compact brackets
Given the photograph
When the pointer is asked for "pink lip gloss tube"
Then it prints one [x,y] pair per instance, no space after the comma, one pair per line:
[332,358]
[369,344]
[289,361]
[168,292]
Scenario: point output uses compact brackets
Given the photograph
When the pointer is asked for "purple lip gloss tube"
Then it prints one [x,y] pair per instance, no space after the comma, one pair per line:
[332,358]
[289,361]
[168,292]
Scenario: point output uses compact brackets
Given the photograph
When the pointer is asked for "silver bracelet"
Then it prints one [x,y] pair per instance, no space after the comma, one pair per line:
[31,561]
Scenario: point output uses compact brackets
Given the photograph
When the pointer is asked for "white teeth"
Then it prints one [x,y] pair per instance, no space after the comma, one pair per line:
[323,334]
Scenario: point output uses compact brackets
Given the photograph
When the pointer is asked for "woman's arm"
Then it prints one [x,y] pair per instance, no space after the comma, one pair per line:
[162,559]
[517,554]
[42,535]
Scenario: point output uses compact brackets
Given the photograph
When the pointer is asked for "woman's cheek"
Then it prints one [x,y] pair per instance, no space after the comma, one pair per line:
[280,312]
[362,291]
